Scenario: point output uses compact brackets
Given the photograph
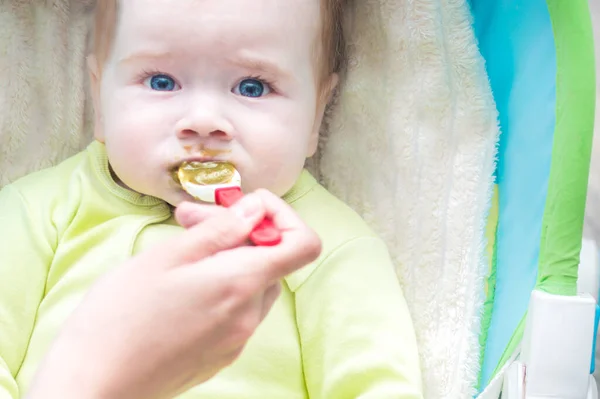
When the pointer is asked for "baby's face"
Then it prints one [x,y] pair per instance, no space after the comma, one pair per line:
[232,80]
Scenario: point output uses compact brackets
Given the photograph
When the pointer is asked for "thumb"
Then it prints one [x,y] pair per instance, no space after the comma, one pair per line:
[218,230]
[189,214]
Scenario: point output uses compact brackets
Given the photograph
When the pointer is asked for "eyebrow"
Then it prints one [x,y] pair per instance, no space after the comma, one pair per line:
[261,66]
[144,55]
[256,64]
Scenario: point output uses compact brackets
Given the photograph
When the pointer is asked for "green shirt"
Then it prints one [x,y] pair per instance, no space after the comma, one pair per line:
[341,328]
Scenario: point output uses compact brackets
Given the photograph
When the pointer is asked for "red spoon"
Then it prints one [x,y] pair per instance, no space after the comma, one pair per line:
[265,234]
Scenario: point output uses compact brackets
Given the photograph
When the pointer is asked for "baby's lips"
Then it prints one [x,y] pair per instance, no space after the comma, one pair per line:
[175,176]
[207,172]
[201,179]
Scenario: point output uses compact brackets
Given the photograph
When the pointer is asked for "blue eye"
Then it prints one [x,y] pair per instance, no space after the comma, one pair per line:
[161,83]
[252,88]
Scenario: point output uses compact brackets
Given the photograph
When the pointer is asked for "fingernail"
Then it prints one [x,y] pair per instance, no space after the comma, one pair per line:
[247,207]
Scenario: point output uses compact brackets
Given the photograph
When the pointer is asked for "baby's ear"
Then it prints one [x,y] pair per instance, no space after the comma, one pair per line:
[325,95]
[94,71]
[329,88]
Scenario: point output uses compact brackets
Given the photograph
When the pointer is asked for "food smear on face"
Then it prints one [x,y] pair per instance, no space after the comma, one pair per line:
[206,173]
[202,151]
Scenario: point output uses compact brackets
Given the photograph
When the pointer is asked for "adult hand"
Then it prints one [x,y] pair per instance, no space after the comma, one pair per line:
[173,316]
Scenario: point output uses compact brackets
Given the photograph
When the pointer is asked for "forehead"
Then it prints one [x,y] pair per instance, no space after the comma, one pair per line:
[221,24]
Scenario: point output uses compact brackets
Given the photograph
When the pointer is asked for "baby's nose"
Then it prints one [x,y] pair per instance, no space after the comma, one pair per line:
[204,122]
[191,133]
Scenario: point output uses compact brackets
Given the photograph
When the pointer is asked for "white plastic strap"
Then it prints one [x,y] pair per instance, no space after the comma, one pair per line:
[554,360]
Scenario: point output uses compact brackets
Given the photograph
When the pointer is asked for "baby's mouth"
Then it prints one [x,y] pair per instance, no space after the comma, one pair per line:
[203,173]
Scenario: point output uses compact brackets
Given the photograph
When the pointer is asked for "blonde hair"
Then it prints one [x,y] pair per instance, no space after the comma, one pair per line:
[332,47]
[333,39]
[105,29]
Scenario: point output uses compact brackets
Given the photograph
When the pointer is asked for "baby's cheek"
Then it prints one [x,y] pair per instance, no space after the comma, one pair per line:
[129,149]
[124,156]
[278,165]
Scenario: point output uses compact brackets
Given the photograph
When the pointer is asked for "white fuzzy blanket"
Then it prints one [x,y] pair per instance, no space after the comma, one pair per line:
[410,145]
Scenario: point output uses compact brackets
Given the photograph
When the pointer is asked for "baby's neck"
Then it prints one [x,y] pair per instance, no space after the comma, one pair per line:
[116,179]
[120,183]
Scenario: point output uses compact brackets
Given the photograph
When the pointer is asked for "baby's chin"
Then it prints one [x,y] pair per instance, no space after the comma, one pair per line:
[184,197]
[176,196]
[172,194]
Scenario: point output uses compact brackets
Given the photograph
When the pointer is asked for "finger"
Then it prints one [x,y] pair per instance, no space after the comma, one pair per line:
[261,267]
[229,229]
[282,214]
[269,298]
[300,245]
[189,214]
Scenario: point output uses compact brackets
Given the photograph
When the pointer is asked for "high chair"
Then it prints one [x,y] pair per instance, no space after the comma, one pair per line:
[540,338]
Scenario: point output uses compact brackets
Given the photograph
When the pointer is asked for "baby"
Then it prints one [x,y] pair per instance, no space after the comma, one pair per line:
[241,81]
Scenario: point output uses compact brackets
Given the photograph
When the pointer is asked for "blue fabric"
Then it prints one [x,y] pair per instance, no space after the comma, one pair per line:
[594,343]
[517,41]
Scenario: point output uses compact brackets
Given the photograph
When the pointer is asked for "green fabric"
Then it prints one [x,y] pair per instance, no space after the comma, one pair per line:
[490,288]
[562,225]
[340,329]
